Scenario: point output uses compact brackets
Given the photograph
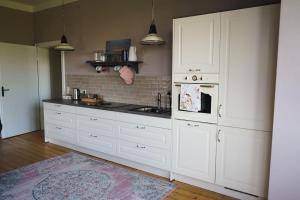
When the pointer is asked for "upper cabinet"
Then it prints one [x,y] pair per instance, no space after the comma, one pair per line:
[247,67]
[196,44]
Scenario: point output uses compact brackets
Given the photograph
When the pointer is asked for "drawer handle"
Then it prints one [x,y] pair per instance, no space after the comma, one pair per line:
[58,128]
[140,127]
[93,119]
[59,113]
[194,70]
[140,147]
[193,125]
[58,105]
[94,136]
[218,135]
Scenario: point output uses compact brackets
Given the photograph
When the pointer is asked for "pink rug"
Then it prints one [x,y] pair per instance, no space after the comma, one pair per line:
[77,177]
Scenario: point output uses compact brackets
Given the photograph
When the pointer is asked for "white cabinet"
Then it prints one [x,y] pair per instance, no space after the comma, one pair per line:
[247,67]
[243,160]
[145,144]
[196,44]
[194,150]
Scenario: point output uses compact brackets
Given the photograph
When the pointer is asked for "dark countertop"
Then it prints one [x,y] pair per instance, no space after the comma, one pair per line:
[111,106]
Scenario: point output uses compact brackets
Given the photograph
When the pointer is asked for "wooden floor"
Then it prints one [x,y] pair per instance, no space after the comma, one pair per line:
[29,148]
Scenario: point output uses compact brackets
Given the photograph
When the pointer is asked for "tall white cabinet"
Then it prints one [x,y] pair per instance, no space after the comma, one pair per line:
[247,67]
[240,47]
[196,44]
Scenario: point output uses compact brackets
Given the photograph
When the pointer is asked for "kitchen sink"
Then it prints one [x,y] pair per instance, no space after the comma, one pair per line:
[149,109]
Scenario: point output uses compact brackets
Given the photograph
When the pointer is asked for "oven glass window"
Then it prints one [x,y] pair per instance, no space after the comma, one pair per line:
[206,101]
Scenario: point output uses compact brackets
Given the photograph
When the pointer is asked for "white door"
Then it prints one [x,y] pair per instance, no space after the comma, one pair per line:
[248,66]
[243,160]
[196,44]
[19,105]
[194,149]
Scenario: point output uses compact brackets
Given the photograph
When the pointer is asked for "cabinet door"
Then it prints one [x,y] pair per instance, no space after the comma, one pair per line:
[196,44]
[247,68]
[243,159]
[194,150]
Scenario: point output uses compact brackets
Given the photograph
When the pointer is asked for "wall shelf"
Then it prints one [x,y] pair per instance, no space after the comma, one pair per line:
[132,64]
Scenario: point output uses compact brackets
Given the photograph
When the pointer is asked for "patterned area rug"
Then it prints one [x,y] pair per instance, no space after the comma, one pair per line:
[77,177]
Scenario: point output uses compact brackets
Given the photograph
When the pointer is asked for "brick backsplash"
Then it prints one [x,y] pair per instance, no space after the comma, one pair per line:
[112,88]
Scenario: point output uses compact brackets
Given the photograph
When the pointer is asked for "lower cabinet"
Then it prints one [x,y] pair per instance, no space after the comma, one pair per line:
[145,144]
[243,160]
[194,149]
[58,132]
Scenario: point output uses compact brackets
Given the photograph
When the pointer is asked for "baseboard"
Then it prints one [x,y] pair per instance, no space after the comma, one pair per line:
[213,187]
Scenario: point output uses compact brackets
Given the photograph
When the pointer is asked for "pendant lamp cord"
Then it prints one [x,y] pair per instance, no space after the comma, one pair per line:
[63,16]
[153,11]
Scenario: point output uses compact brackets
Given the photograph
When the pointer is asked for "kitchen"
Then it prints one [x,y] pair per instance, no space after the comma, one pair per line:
[231,131]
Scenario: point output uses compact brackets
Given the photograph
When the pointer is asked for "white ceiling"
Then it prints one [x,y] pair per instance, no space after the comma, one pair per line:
[33,5]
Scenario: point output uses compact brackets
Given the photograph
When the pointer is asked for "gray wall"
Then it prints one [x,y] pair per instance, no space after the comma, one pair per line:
[16,26]
[90,23]
[285,161]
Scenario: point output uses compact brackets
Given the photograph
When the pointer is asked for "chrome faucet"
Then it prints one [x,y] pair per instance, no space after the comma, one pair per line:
[158,101]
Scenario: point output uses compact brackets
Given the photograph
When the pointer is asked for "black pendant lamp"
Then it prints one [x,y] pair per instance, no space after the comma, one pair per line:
[152,38]
[64,45]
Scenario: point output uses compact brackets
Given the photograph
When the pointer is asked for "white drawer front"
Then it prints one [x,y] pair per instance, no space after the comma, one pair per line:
[142,153]
[60,118]
[97,142]
[60,133]
[96,113]
[59,107]
[150,136]
[96,125]
[147,120]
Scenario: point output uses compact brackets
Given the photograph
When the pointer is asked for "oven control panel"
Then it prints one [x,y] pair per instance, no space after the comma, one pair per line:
[196,78]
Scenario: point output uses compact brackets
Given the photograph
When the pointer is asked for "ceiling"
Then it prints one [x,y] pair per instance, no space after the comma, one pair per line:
[29,2]
[33,5]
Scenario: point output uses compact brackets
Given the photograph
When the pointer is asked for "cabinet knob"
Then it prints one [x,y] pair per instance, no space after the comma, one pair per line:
[194,78]
[185,78]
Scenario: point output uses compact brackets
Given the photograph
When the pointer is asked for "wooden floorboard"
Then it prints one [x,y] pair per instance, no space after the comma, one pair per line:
[29,148]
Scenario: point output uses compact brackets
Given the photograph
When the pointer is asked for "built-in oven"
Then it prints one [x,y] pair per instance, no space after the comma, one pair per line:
[208,94]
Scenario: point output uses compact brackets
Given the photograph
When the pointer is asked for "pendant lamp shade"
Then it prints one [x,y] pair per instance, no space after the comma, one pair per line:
[152,38]
[64,45]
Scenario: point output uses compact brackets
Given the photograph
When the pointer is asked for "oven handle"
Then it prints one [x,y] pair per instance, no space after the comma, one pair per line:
[201,85]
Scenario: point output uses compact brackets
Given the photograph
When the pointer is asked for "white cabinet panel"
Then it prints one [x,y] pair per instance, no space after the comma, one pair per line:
[60,118]
[247,68]
[96,125]
[97,142]
[151,136]
[243,160]
[196,44]
[59,107]
[194,150]
[60,133]
[139,152]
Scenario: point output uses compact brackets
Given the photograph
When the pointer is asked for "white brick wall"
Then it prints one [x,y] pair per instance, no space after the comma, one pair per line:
[112,88]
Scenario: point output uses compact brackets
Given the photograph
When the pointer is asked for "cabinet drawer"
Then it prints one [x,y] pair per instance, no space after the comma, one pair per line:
[97,142]
[150,136]
[96,125]
[60,133]
[59,107]
[145,154]
[96,113]
[60,118]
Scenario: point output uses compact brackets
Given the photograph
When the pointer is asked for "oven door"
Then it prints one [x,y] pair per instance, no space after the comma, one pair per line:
[209,104]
